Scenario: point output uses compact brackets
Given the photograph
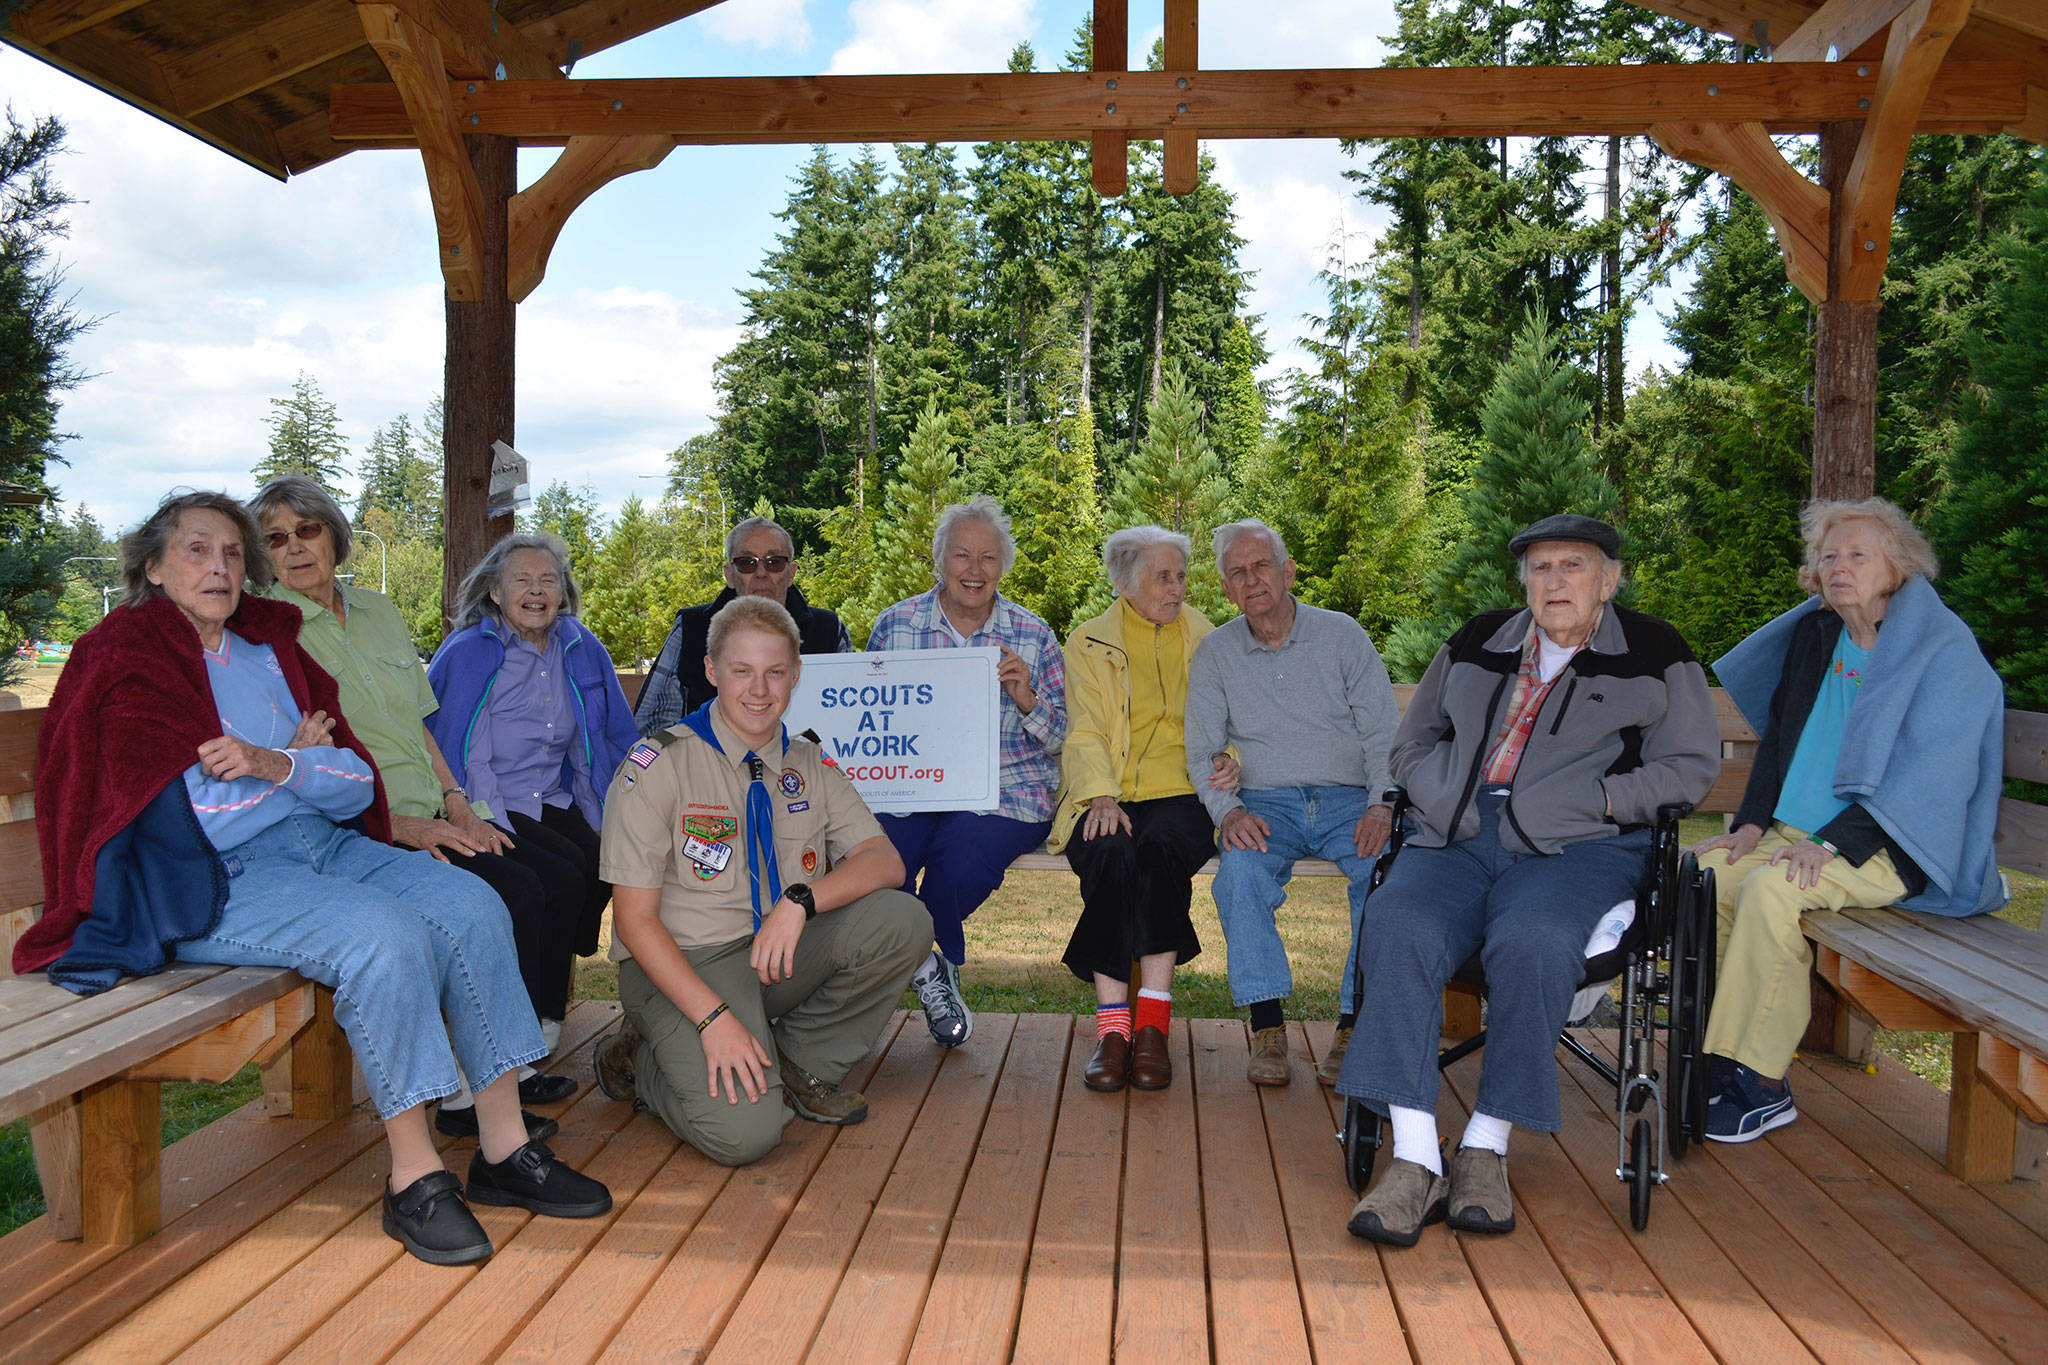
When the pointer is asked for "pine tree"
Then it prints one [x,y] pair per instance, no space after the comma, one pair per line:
[1536,463]
[305,438]
[1058,525]
[1992,529]
[570,513]
[629,584]
[927,480]
[402,479]
[1176,480]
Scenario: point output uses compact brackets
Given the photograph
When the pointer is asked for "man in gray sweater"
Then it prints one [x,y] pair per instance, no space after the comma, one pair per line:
[1303,696]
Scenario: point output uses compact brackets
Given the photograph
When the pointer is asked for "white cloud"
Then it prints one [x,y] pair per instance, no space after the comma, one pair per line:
[891,36]
[764,25]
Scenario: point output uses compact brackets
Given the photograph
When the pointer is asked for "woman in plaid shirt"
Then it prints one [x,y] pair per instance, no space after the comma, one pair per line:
[962,855]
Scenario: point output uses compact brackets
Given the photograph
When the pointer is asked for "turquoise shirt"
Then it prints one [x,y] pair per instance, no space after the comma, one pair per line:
[1807,801]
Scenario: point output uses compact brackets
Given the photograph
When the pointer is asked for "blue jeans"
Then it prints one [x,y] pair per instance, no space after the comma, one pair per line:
[404,940]
[1528,916]
[963,857]
[1250,887]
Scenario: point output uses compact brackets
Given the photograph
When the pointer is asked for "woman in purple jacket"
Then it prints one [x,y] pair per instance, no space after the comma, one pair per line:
[532,721]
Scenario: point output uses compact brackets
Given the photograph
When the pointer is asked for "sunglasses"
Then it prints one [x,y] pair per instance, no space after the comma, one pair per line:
[305,530]
[748,563]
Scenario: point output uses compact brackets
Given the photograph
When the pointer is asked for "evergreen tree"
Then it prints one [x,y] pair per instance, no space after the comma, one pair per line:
[629,584]
[1176,480]
[1241,408]
[1992,529]
[927,480]
[570,513]
[401,478]
[1058,524]
[305,438]
[1536,463]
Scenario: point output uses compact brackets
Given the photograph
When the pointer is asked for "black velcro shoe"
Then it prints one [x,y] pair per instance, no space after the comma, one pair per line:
[462,1123]
[532,1179]
[545,1088]
[429,1219]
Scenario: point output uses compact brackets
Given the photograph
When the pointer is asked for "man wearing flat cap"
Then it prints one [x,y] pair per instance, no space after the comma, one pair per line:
[1535,753]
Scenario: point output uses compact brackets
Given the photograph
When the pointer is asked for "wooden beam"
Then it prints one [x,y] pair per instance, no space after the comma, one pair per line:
[413,57]
[54,1140]
[1389,102]
[475,42]
[1110,153]
[599,24]
[539,212]
[120,1133]
[2025,16]
[1182,44]
[1796,207]
[54,20]
[1920,38]
[245,61]
[477,377]
[1837,29]
[1844,349]
[1982,1123]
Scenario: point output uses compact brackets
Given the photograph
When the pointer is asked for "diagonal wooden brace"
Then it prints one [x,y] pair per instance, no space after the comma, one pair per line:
[1796,207]
[539,212]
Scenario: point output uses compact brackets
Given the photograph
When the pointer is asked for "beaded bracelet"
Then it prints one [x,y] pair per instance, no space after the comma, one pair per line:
[705,1023]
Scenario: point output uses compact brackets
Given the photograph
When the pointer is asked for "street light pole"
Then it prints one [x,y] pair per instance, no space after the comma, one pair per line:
[105,589]
[383,561]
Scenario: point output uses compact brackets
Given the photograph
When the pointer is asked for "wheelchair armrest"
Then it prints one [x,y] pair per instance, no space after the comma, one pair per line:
[1396,797]
[1671,812]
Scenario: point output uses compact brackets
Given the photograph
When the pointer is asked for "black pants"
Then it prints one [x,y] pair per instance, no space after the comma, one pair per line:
[1136,887]
[543,895]
[563,832]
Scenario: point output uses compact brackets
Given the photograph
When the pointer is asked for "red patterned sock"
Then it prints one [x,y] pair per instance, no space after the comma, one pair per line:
[1113,1019]
[1155,1009]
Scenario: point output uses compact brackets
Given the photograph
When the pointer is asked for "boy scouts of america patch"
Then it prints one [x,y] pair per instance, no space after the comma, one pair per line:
[810,861]
[792,782]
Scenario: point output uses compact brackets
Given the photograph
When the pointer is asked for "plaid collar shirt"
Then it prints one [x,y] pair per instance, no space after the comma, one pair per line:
[1029,746]
[1520,720]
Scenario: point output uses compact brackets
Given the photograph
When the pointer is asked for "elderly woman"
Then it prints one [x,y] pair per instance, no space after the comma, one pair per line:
[359,637]
[1876,781]
[204,800]
[963,854]
[531,719]
[1142,832]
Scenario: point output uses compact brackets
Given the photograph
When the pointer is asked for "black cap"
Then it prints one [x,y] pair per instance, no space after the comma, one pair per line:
[1569,526]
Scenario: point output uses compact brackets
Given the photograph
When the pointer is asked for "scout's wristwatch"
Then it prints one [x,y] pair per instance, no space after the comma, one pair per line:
[801,894]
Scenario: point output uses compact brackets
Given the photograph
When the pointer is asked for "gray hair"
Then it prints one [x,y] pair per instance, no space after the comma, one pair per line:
[300,495]
[752,613]
[473,598]
[1904,547]
[1126,550]
[982,508]
[1231,532]
[148,543]
[732,537]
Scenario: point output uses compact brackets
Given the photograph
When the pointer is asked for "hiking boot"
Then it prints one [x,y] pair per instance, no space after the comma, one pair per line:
[1268,1065]
[937,984]
[820,1101]
[612,1059]
[1332,1065]
[1749,1106]
[1406,1199]
[1479,1199]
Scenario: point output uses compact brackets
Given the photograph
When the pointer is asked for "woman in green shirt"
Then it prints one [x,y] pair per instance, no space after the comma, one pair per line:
[359,637]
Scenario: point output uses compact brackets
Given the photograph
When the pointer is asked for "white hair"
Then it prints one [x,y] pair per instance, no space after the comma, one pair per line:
[1126,550]
[1231,532]
[473,599]
[982,508]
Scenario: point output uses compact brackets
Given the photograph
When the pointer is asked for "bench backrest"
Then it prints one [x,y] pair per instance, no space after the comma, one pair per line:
[21,862]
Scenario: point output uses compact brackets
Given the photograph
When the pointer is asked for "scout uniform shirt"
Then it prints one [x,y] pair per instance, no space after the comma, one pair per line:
[675,818]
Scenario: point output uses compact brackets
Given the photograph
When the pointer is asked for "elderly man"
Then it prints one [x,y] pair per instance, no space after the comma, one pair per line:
[760,561]
[1303,696]
[1535,753]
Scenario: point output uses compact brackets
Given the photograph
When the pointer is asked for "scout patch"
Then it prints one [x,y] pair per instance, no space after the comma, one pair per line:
[810,861]
[711,828]
[642,755]
[796,806]
[792,782]
[704,846]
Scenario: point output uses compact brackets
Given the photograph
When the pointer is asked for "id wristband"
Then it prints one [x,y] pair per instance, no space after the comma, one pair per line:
[1816,839]
[705,1022]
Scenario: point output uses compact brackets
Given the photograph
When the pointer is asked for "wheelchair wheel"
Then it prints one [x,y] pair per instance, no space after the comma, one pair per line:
[1641,1178]
[1361,1137]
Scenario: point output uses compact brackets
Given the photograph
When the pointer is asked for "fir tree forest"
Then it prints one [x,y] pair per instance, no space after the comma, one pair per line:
[934,321]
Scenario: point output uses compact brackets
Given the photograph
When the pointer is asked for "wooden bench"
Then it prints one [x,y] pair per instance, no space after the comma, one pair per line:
[86,1071]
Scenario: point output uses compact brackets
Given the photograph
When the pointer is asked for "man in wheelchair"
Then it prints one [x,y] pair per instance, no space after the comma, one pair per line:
[1535,754]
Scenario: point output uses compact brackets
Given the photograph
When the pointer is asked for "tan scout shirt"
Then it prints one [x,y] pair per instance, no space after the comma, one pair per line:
[692,793]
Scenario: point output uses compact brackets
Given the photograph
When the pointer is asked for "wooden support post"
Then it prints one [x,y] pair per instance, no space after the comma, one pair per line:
[1845,349]
[477,389]
[120,1131]
[53,1136]
[1982,1123]
[1462,1016]
[1182,53]
[1828,1012]
[1110,153]
[321,1067]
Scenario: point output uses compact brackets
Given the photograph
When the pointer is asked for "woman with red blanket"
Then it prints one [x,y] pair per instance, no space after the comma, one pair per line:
[205,801]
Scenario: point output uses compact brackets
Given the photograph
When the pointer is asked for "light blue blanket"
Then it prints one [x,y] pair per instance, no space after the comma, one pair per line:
[1925,748]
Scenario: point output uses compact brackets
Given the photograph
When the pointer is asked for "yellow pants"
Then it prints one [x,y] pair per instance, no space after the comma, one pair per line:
[1761,998]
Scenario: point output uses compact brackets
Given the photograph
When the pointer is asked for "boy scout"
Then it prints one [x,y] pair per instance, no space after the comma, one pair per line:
[761,939]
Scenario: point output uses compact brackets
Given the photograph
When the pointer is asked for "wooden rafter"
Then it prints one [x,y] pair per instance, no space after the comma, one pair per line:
[1391,102]
[475,46]
[1920,38]
[294,41]
[600,24]
[55,20]
[1796,207]
[413,57]
[1837,29]
[1110,153]
[1182,52]
[539,211]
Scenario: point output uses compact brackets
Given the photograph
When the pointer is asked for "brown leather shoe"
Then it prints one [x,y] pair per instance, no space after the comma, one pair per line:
[1110,1065]
[1268,1064]
[1151,1063]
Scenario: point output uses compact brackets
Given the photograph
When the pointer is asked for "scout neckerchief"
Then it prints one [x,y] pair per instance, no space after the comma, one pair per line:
[760,813]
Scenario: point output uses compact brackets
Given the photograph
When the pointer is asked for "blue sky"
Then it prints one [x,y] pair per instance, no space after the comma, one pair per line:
[216,285]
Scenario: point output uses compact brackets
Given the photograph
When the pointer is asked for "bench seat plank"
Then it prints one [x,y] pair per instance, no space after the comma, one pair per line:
[1980,956]
[1884,942]
[35,1013]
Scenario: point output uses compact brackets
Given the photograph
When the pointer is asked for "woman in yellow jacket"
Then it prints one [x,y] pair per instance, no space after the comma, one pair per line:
[1130,824]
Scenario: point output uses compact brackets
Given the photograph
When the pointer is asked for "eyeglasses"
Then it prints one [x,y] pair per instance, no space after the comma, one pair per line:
[305,530]
[748,563]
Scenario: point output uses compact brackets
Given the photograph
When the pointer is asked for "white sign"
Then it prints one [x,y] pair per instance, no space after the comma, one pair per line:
[914,729]
[510,488]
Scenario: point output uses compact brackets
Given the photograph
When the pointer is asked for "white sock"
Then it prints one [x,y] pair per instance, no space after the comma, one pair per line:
[551,1034]
[1155,995]
[1415,1137]
[462,1098]
[1487,1131]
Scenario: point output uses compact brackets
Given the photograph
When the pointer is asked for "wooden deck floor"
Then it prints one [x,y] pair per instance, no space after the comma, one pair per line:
[992,1208]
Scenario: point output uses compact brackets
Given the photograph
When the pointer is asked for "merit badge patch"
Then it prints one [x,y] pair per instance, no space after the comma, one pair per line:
[643,754]
[710,828]
[810,861]
[792,782]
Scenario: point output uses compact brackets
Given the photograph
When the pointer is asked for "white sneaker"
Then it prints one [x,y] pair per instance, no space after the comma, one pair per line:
[937,984]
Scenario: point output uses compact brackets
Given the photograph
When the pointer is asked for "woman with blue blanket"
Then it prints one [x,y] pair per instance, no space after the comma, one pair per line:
[1876,782]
